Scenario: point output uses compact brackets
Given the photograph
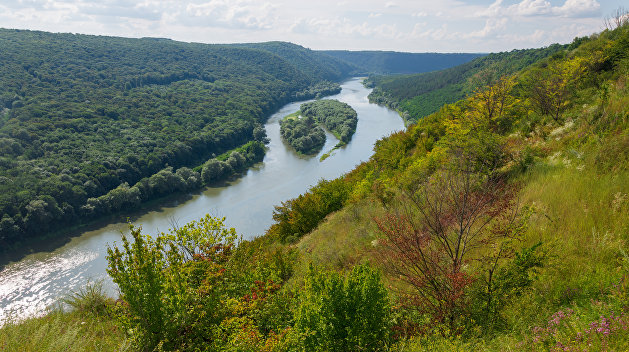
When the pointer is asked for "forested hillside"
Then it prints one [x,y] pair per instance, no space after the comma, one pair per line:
[315,64]
[391,62]
[83,116]
[419,95]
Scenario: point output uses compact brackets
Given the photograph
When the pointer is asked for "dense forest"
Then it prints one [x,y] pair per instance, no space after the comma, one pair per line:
[419,95]
[497,223]
[391,62]
[302,130]
[90,124]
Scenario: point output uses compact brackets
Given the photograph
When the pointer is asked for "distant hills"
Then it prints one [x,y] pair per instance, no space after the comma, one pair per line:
[391,62]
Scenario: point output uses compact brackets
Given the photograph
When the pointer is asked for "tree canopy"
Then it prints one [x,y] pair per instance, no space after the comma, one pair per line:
[306,135]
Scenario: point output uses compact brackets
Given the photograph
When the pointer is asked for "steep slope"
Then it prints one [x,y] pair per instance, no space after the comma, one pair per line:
[547,266]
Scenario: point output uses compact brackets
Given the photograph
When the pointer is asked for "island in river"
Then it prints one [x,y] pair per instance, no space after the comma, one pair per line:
[303,129]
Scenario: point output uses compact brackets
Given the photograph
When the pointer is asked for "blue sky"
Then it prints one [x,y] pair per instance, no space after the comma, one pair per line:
[414,26]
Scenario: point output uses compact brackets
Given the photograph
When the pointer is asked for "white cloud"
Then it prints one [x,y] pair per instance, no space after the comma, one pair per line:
[440,33]
[579,8]
[491,26]
[390,4]
[532,8]
[343,27]
[239,13]
[119,9]
[403,25]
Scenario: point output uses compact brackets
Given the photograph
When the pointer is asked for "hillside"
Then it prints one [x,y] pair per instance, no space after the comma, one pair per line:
[391,62]
[419,95]
[90,125]
[499,222]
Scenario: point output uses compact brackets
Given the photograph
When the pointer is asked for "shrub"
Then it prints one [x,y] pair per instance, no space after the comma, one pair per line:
[90,299]
[171,285]
[339,313]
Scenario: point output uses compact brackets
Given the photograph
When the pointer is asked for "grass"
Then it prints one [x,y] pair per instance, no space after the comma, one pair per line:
[90,299]
[344,239]
[64,331]
[581,207]
[293,116]
[328,154]
[581,219]
[88,326]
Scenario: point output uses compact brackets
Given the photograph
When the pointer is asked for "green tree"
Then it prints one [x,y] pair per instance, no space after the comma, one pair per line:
[212,170]
[550,88]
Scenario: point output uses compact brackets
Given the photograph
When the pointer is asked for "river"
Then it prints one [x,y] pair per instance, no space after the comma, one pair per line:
[38,280]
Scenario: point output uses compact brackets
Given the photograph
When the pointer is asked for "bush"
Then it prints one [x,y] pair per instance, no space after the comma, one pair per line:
[171,285]
[298,216]
[90,299]
[339,313]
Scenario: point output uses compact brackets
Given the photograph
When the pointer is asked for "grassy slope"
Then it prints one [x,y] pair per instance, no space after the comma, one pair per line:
[578,187]
[581,218]
[64,332]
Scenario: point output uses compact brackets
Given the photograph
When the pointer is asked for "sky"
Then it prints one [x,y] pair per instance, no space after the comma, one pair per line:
[399,25]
